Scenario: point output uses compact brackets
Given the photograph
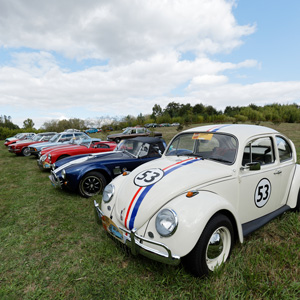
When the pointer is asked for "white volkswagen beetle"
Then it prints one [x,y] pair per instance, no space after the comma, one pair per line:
[213,185]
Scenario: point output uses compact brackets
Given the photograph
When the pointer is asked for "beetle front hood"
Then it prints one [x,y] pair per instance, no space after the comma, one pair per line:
[149,187]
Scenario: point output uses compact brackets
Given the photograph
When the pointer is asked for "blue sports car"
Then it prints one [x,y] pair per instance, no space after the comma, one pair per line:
[89,174]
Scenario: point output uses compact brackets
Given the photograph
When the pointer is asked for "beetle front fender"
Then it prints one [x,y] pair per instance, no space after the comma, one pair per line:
[193,215]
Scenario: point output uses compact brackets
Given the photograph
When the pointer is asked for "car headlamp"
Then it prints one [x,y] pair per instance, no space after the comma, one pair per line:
[43,157]
[166,222]
[63,174]
[108,193]
[49,157]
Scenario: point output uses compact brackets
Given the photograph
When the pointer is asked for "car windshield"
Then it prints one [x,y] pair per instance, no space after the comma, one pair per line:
[37,138]
[127,131]
[207,145]
[54,138]
[130,146]
[84,142]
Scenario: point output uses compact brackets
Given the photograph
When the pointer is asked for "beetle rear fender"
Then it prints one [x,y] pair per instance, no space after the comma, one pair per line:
[295,188]
[193,215]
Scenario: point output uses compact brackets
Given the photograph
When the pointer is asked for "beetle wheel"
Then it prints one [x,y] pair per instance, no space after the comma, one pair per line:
[213,247]
[92,184]
[26,151]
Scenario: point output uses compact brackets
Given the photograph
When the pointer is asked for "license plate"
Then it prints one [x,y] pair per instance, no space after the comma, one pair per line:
[110,227]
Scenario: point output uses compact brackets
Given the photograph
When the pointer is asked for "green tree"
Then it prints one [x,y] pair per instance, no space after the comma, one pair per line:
[156,111]
[28,124]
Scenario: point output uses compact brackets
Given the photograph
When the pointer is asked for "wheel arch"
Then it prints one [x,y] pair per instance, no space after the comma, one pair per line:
[103,171]
[193,216]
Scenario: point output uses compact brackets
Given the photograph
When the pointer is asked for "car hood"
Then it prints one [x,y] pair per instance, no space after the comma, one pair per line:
[179,175]
[43,144]
[58,148]
[92,158]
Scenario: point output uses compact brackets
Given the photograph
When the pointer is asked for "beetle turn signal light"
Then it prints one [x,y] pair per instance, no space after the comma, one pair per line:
[191,194]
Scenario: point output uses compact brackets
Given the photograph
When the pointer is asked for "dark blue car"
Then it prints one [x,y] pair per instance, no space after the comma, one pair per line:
[89,174]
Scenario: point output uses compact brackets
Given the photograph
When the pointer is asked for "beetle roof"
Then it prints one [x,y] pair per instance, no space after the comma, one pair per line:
[241,131]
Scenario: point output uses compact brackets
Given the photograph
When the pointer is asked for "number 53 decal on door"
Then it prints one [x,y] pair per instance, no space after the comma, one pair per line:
[262,192]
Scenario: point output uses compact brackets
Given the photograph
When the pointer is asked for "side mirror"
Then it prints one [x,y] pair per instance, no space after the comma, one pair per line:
[254,166]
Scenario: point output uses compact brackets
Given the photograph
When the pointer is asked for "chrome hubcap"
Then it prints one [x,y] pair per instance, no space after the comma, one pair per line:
[218,247]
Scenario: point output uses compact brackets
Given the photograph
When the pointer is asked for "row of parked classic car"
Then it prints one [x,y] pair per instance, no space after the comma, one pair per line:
[188,201]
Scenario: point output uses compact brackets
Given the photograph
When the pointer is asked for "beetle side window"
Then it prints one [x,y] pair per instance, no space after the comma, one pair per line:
[284,149]
[260,150]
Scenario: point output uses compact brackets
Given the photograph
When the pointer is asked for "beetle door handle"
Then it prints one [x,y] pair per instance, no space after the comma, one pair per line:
[278,172]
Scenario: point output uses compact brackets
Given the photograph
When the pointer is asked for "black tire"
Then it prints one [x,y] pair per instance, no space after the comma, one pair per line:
[91,184]
[213,247]
[26,151]
[297,208]
[117,140]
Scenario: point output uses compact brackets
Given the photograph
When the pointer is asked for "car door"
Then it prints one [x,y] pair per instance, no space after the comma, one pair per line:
[260,190]
[286,166]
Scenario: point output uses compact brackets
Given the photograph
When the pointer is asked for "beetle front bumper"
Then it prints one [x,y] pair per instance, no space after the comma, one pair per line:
[135,242]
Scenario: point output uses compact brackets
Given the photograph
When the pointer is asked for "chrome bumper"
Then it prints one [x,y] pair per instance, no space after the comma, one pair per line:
[55,180]
[42,165]
[135,243]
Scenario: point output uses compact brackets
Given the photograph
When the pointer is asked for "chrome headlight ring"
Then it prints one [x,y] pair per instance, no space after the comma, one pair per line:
[166,222]
[63,174]
[108,193]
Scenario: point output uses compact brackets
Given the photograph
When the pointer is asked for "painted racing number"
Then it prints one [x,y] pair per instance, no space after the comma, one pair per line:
[148,177]
[262,192]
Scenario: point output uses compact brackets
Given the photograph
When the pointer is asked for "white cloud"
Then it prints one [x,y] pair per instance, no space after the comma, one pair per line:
[143,42]
[120,30]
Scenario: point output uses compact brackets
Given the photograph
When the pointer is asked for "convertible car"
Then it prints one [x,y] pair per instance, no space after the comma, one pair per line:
[18,137]
[132,132]
[58,139]
[89,174]
[213,186]
[50,155]
[21,147]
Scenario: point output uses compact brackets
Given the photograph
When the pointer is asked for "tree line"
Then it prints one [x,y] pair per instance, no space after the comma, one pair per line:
[174,112]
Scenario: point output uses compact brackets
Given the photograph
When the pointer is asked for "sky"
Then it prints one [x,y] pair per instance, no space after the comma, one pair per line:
[96,59]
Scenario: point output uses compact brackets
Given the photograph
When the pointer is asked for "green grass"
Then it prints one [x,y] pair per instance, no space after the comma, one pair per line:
[52,248]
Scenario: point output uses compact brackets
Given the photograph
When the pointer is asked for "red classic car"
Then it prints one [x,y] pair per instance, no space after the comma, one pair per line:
[21,147]
[51,155]
[18,137]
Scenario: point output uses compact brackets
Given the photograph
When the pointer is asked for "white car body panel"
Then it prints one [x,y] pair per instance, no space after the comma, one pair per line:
[230,188]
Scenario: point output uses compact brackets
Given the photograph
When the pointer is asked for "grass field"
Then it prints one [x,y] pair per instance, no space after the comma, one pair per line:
[52,248]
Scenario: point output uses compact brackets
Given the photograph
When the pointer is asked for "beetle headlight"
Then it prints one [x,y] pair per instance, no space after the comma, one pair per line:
[166,222]
[63,174]
[108,192]
[43,157]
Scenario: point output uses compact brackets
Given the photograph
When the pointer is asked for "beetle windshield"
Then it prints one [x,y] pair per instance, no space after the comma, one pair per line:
[207,145]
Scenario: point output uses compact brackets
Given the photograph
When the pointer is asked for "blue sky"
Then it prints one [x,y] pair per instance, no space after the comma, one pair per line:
[99,59]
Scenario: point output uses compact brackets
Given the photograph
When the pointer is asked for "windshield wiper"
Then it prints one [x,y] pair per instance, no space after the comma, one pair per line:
[189,154]
[220,160]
